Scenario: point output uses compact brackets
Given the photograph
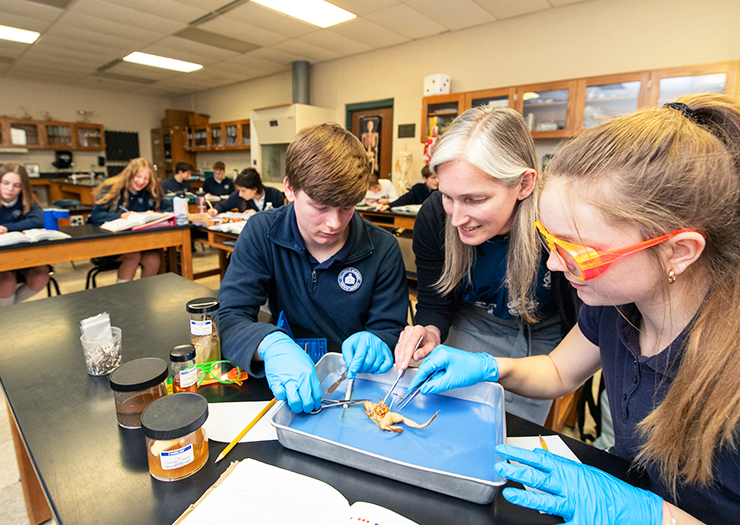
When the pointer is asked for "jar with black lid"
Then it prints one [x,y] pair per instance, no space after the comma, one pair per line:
[176,441]
[203,330]
[135,385]
[183,369]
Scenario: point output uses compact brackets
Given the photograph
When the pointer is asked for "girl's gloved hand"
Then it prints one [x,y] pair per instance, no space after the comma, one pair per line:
[290,373]
[580,494]
[366,353]
[454,369]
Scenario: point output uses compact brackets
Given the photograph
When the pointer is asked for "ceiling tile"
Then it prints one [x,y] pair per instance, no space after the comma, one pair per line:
[406,21]
[328,39]
[453,15]
[110,27]
[209,5]
[242,30]
[510,8]
[30,10]
[181,49]
[369,33]
[270,20]
[93,37]
[172,10]
[139,71]
[125,15]
[12,49]
[301,50]
[24,22]
[363,7]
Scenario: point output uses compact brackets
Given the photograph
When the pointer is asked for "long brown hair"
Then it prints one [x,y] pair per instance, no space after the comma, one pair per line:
[109,192]
[496,141]
[27,196]
[658,170]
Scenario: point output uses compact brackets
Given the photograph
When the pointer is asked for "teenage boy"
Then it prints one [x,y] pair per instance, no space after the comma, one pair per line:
[418,193]
[218,185]
[250,194]
[332,273]
[180,181]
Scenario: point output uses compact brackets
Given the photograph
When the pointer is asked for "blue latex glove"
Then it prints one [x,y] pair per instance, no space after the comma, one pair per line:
[366,353]
[454,369]
[290,373]
[580,494]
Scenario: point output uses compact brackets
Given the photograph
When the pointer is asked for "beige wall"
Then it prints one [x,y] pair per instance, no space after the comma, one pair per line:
[116,111]
[585,39]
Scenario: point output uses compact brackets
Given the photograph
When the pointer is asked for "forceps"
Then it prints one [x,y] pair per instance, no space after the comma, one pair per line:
[330,403]
[411,394]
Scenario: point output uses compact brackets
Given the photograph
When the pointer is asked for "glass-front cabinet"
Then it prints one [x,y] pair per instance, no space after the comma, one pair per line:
[549,108]
[200,138]
[231,135]
[246,135]
[59,135]
[24,133]
[611,96]
[502,97]
[217,136]
[90,137]
[236,135]
[673,83]
[439,111]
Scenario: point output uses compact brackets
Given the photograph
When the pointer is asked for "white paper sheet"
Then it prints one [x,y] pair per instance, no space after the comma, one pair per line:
[554,444]
[227,420]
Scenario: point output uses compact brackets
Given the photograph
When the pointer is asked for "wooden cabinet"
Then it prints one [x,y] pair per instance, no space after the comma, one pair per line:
[59,135]
[89,137]
[23,133]
[236,135]
[603,98]
[549,109]
[565,108]
[669,84]
[439,111]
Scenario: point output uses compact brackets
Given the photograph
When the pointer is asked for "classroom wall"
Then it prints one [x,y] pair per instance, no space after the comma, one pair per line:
[115,110]
[590,38]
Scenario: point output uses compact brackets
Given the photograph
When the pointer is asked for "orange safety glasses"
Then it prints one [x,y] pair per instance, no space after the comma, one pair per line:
[585,263]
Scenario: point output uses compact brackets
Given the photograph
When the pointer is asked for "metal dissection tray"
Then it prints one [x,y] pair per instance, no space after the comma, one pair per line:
[454,455]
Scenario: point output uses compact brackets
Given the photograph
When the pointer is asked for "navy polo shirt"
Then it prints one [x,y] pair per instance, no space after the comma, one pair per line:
[636,384]
[486,289]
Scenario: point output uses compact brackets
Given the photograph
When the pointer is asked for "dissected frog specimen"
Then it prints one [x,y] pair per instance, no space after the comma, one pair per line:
[387,420]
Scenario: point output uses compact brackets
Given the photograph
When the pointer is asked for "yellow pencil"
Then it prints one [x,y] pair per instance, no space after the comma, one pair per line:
[231,445]
[542,442]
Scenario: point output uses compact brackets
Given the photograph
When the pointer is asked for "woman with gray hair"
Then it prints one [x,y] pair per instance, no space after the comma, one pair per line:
[483,282]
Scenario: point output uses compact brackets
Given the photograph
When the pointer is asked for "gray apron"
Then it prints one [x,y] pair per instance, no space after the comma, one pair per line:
[475,330]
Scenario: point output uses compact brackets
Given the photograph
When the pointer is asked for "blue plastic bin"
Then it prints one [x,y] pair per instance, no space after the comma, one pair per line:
[51,217]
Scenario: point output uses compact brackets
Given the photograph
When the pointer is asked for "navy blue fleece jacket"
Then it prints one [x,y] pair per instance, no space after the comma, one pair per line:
[273,195]
[13,218]
[142,201]
[269,263]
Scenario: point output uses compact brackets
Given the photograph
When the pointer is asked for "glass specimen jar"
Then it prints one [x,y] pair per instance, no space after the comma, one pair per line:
[203,330]
[135,385]
[183,370]
[176,441]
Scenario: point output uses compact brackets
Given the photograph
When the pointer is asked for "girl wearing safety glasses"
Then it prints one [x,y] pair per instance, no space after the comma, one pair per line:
[642,214]
[483,281]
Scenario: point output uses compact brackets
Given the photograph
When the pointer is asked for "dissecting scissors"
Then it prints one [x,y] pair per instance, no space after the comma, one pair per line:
[330,403]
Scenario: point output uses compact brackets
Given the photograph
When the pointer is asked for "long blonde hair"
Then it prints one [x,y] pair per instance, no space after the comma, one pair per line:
[109,192]
[658,170]
[496,141]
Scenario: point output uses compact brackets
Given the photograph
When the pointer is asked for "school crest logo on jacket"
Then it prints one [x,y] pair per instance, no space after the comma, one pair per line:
[350,279]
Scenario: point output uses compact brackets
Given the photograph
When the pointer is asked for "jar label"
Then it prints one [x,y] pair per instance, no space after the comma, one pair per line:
[172,459]
[188,377]
[201,327]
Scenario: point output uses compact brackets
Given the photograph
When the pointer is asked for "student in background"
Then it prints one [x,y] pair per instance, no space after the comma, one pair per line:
[135,189]
[19,211]
[250,195]
[642,214]
[180,181]
[418,193]
[482,277]
[332,273]
[380,191]
[218,185]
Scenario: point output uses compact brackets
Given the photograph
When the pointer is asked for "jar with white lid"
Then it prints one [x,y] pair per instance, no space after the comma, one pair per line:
[203,330]
[176,440]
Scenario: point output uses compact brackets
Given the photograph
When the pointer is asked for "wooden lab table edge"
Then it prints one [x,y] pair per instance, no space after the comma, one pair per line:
[29,255]
[37,505]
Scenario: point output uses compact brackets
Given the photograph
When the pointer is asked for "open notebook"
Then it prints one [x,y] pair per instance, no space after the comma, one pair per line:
[35,235]
[137,220]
